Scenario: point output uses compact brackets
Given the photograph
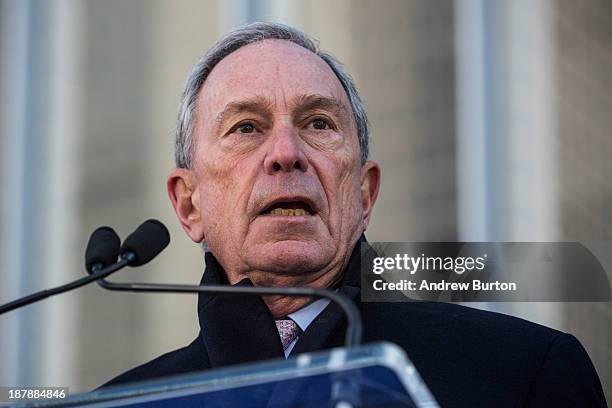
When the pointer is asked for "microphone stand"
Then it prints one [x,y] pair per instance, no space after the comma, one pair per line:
[353,332]
[345,391]
[99,273]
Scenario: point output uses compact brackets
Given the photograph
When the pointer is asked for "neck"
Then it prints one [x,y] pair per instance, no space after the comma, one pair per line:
[280,306]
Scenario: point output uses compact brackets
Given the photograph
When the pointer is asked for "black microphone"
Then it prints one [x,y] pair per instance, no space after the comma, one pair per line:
[149,239]
[102,251]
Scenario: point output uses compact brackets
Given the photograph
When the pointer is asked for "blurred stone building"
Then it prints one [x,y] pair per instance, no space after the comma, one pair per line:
[583,31]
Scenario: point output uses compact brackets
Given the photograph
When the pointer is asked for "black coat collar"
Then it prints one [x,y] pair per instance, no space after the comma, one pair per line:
[239,329]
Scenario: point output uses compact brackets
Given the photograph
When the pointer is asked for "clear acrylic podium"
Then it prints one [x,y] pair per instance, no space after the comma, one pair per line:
[373,375]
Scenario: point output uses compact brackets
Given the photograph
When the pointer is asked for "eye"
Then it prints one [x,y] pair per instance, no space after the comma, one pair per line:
[244,128]
[320,124]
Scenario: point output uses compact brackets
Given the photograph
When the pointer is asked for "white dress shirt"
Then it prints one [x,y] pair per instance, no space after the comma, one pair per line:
[304,316]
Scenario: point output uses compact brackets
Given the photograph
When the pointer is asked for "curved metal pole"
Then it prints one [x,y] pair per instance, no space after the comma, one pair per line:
[353,332]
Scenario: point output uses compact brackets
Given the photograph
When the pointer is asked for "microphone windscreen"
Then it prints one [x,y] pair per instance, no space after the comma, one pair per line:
[149,239]
[102,248]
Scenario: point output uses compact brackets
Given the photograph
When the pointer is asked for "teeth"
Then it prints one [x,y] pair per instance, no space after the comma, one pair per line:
[288,211]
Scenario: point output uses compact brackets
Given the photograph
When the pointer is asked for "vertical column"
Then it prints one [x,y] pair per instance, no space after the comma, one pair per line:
[471,119]
[62,255]
[40,122]
[506,134]
[14,29]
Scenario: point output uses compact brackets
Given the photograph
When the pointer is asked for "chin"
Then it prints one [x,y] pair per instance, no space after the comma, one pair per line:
[293,257]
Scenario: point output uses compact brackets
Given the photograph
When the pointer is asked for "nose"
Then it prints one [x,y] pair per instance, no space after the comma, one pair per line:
[285,153]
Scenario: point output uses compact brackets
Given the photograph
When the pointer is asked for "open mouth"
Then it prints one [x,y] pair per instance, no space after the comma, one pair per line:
[289,208]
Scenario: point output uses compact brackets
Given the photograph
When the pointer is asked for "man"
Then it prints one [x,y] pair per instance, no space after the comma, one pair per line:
[273,175]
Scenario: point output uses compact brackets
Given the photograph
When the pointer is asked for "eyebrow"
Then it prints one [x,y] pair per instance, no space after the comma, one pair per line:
[305,103]
[257,104]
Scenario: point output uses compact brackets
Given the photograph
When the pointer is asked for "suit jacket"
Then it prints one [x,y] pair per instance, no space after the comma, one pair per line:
[467,357]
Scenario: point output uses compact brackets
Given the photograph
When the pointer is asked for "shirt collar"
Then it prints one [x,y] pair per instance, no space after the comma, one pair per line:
[308,313]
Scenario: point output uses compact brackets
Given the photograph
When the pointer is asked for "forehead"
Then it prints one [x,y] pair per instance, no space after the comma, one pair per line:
[278,70]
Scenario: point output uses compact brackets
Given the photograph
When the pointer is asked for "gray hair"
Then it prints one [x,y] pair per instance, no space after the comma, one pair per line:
[236,39]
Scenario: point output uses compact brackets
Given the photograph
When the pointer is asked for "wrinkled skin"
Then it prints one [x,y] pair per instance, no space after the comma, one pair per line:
[274,123]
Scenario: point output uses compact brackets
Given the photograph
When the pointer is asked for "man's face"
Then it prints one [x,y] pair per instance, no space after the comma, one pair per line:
[277,177]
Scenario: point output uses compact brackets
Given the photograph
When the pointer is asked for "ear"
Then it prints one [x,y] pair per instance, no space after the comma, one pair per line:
[185,197]
[370,184]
